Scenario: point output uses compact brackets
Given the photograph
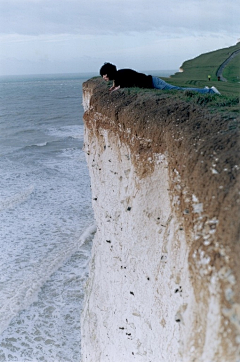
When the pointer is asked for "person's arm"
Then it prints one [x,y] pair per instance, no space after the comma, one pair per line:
[114,88]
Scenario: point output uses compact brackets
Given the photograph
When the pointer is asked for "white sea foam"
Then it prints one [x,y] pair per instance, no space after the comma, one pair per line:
[12,201]
[18,295]
[67,131]
[40,144]
[45,206]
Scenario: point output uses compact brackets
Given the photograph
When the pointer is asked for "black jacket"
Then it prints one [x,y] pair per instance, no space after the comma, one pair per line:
[127,78]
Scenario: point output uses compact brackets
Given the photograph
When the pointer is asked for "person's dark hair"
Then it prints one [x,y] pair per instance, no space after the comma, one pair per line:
[108,69]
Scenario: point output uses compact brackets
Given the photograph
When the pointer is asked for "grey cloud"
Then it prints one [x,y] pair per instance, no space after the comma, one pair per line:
[36,17]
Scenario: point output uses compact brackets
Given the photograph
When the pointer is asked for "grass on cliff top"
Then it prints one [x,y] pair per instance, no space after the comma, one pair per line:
[233,69]
[207,64]
[195,72]
[231,89]
[227,105]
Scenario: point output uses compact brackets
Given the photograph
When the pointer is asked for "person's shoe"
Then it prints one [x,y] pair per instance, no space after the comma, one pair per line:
[215,90]
[206,87]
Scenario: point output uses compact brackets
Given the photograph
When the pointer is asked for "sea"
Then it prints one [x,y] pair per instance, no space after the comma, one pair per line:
[46,218]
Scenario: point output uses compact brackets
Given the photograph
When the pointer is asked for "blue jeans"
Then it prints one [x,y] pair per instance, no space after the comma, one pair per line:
[158,83]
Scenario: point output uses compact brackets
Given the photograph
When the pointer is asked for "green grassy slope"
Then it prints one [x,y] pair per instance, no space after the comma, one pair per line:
[232,70]
[195,71]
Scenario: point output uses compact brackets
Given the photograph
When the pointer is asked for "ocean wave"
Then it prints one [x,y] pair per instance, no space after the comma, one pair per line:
[13,201]
[68,97]
[39,144]
[20,293]
[67,131]
[42,144]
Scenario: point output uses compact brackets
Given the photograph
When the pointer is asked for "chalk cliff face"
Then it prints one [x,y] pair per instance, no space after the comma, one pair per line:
[164,275]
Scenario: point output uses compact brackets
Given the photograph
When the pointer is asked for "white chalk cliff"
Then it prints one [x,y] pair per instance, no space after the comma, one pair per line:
[164,280]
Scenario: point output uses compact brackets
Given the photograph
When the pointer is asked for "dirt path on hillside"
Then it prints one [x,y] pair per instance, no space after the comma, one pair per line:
[223,65]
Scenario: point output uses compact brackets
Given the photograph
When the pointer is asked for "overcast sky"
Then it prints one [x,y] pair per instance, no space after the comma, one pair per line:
[74,36]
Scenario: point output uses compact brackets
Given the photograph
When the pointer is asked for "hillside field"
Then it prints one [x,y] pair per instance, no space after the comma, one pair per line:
[195,72]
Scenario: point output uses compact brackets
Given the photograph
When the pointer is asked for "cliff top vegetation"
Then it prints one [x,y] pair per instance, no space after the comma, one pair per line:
[195,72]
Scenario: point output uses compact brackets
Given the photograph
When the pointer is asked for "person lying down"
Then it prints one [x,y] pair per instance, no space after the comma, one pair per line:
[127,78]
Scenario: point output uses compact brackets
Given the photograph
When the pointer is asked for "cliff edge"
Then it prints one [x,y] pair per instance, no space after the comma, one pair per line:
[164,282]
